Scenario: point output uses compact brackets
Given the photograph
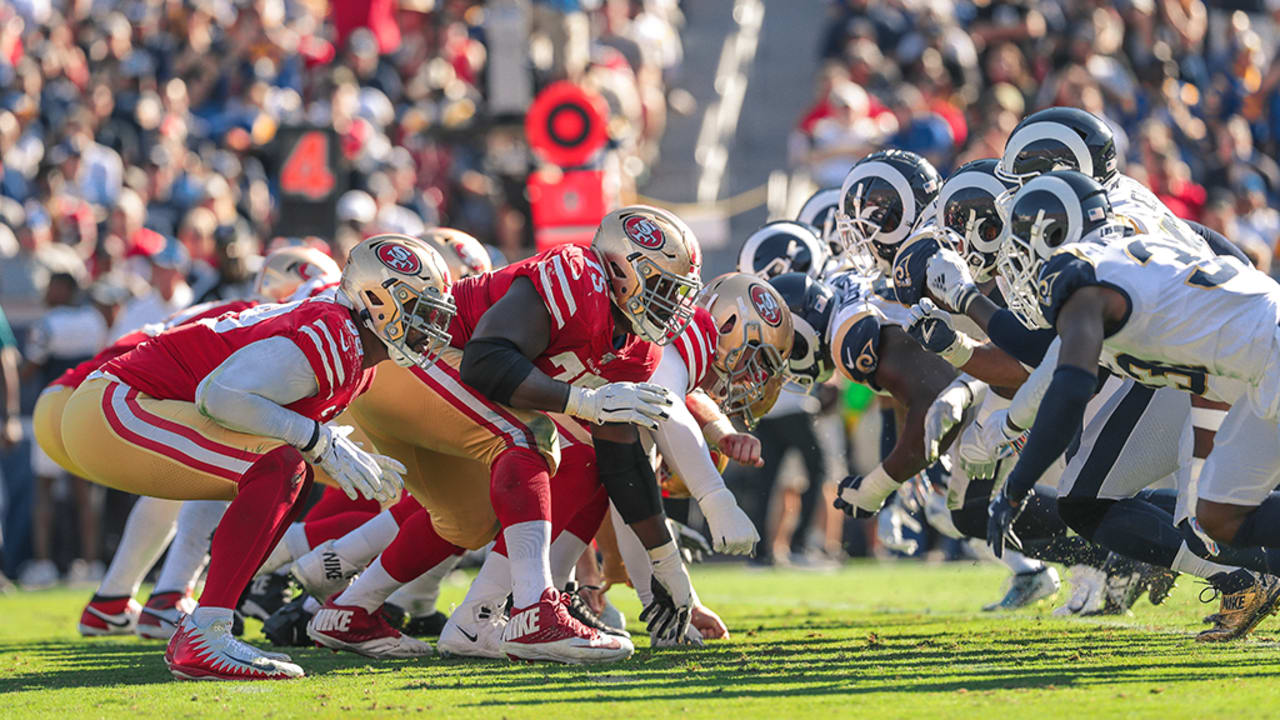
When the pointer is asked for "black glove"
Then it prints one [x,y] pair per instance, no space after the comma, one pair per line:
[1001,514]
[663,617]
[694,547]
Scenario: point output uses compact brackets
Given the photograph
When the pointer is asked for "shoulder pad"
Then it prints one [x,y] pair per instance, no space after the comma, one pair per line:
[856,346]
[1066,271]
[909,268]
[697,346]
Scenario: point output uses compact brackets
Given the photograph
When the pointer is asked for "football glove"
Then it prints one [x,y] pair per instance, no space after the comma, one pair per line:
[376,477]
[947,411]
[862,496]
[948,278]
[667,616]
[889,526]
[1002,513]
[934,329]
[641,404]
[732,532]
[985,443]
[693,545]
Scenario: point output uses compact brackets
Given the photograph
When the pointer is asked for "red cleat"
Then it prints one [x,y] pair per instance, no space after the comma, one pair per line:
[350,627]
[109,616]
[546,631]
[162,613]
[211,652]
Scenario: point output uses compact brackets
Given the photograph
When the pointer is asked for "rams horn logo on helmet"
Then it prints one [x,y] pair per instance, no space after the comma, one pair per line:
[766,305]
[644,232]
[399,258]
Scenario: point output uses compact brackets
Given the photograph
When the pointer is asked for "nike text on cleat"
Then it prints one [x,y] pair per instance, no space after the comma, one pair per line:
[1241,611]
[349,627]
[109,616]
[546,631]
[323,573]
[162,613]
[213,653]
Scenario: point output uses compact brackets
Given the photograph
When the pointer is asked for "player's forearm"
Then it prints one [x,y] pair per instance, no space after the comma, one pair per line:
[684,449]
[1011,336]
[253,414]
[995,367]
[627,476]
[248,391]
[980,311]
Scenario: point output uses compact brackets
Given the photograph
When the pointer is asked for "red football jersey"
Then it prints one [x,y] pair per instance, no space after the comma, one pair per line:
[171,365]
[76,375]
[574,290]
[697,346]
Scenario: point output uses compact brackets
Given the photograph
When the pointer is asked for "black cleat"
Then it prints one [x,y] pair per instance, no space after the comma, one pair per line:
[287,627]
[579,609]
[426,625]
[265,595]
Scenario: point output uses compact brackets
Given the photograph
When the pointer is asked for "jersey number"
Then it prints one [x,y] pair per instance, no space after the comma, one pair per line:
[1208,273]
[306,171]
[1190,379]
[574,372]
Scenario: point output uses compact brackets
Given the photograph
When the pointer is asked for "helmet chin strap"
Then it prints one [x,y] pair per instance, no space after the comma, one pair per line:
[398,357]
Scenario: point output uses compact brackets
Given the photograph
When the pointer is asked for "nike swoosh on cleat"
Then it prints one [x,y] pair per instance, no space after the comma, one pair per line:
[107,619]
[469,636]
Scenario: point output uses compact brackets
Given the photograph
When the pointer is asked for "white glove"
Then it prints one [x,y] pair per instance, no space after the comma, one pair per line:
[863,495]
[641,404]
[377,477]
[668,614]
[947,276]
[947,411]
[984,444]
[732,532]
[889,525]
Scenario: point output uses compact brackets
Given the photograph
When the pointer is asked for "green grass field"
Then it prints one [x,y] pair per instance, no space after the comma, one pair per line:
[901,640]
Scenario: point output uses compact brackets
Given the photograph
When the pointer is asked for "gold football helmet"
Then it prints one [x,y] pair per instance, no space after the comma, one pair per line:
[400,288]
[464,254]
[653,262]
[755,337]
[286,270]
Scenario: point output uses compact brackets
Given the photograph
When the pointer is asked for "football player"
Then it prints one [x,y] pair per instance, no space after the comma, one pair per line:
[1134,305]
[233,408]
[288,273]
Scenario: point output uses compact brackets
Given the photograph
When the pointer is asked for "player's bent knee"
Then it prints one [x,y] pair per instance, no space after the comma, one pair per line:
[1220,521]
[1083,515]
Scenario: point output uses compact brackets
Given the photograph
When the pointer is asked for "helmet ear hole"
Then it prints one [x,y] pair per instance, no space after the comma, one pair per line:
[371,299]
[728,325]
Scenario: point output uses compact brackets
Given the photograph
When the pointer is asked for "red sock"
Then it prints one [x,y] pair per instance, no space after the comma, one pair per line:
[334,526]
[334,501]
[520,487]
[416,549]
[267,501]
[405,508]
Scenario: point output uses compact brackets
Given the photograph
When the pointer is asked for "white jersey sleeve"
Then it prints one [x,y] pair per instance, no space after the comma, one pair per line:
[248,391]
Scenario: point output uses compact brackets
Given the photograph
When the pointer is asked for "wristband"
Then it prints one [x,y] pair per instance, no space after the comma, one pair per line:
[968,294]
[715,431]
[959,352]
[663,552]
[878,484]
[315,438]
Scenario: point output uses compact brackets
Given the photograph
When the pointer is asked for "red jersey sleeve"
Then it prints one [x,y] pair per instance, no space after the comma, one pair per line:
[572,285]
[331,343]
[697,346]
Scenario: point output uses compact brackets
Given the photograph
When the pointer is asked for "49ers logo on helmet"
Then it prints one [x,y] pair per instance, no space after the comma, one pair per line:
[644,232]
[766,305]
[399,258]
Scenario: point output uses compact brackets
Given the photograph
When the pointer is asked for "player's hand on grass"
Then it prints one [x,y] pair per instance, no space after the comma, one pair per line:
[708,624]
[667,615]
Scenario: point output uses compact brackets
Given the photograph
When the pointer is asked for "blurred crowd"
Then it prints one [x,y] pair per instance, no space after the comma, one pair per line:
[141,154]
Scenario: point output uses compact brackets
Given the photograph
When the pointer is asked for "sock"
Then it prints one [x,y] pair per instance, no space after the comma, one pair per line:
[493,582]
[418,597]
[148,530]
[202,616]
[334,526]
[563,555]
[333,501]
[528,547]
[1020,564]
[268,498]
[371,588]
[292,546]
[362,545]
[197,522]
[1187,562]
[520,490]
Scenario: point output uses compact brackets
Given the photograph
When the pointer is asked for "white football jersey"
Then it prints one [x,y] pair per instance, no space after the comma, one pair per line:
[1140,210]
[863,307]
[1193,322]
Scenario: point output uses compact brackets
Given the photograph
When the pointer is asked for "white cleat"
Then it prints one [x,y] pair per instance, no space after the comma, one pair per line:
[322,572]
[1088,592]
[211,652]
[475,630]
[1028,588]
[352,628]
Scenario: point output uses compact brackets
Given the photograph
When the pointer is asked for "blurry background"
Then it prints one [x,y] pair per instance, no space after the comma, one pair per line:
[152,150]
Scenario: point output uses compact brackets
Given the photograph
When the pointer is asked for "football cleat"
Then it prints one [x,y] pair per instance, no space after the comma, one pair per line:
[1241,611]
[475,631]
[1088,592]
[1027,588]
[211,652]
[1158,582]
[426,625]
[109,616]
[1122,585]
[287,627]
[350,627]
[583,613]
[323,573]
[162,613]
[546,631]
[266,594]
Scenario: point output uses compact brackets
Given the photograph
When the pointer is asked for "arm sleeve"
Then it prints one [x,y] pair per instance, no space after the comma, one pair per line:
[1060,416]
[1218,242]
[1026,402]
[248,391]
[1011,336]
[679,437]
